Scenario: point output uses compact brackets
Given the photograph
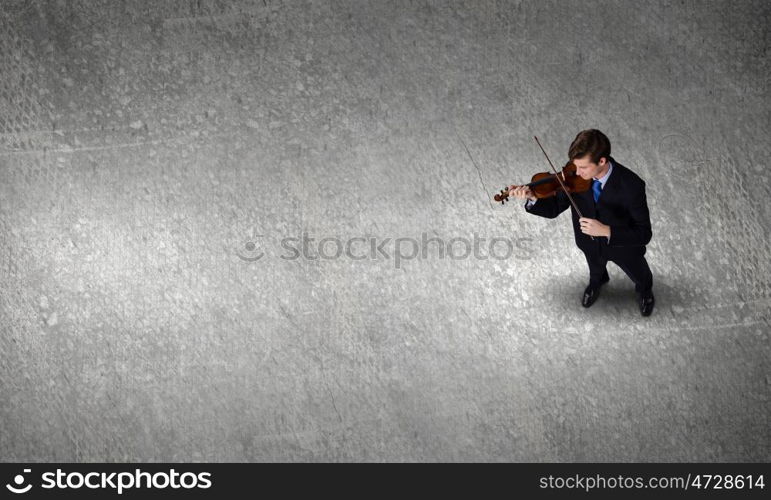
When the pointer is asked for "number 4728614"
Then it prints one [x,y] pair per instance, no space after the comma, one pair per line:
[728,482]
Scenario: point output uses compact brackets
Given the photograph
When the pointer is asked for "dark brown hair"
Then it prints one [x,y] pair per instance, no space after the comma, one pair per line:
[591,142]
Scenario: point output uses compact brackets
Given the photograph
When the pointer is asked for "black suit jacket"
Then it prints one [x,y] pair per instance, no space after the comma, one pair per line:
[622,205]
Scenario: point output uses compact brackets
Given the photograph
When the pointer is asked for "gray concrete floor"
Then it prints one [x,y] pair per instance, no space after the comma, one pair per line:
[155,157]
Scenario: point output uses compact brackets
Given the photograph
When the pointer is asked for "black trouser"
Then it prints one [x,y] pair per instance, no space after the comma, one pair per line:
[636,267]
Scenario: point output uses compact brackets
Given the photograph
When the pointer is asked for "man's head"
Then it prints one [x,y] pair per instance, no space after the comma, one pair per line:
[590,152]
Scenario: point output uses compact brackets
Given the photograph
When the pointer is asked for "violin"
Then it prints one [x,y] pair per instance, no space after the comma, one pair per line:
[546,185]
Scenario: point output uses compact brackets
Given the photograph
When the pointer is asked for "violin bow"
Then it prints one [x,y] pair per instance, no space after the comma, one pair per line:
[557,175]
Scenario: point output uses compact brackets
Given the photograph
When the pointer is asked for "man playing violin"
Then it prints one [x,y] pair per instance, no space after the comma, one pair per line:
[616,223]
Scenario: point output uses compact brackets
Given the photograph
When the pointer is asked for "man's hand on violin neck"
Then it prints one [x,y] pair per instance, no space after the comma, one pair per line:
[522,192]
[593,227]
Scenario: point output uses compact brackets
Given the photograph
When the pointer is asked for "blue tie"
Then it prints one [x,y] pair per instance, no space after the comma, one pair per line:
[596,189]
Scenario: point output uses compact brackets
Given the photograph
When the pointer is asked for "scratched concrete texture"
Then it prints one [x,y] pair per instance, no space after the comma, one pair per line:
[162,162]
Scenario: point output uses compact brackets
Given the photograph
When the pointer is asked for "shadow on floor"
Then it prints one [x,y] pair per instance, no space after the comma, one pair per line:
[618,295]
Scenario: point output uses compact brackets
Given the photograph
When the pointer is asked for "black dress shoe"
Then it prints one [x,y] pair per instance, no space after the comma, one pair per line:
[590,295]
[646,305]
[592,292]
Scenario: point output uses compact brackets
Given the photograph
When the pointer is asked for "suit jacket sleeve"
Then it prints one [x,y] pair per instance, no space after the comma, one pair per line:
[638,231]
[549,207]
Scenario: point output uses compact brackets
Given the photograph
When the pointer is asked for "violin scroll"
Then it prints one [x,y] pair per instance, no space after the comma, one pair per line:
[502,197]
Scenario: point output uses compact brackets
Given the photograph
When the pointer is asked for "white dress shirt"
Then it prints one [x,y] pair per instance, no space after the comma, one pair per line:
[604,178]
